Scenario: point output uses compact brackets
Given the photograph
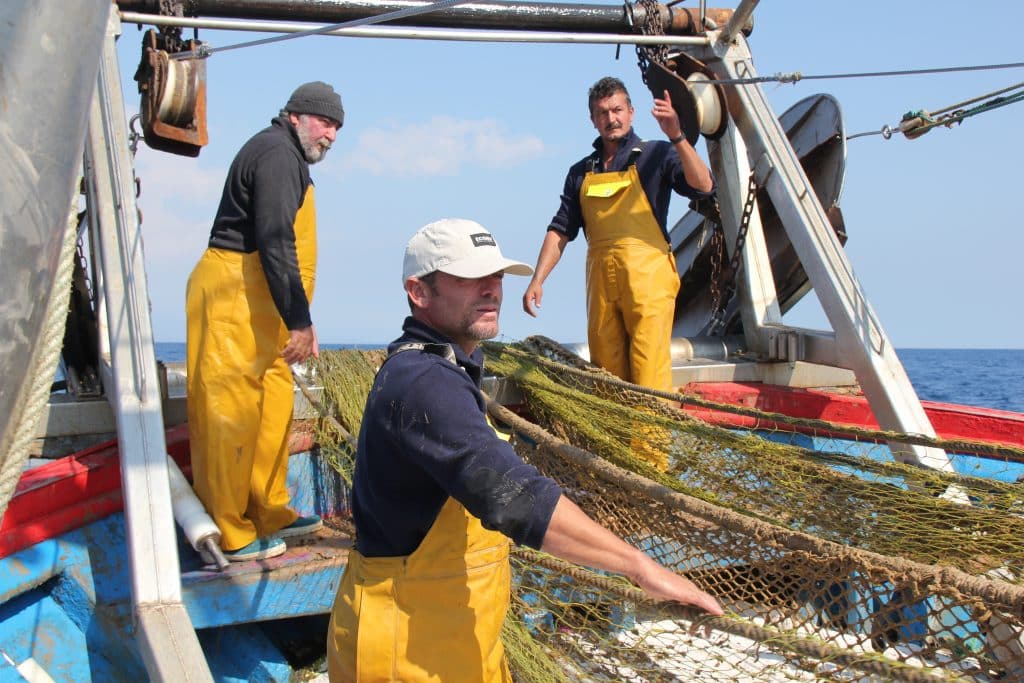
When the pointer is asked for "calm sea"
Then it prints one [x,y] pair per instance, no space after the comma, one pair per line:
[975,377]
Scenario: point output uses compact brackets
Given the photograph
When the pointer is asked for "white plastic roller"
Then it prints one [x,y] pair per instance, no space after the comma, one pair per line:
[191,516]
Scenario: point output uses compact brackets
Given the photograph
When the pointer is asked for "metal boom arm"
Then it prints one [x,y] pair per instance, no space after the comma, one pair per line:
[860,340]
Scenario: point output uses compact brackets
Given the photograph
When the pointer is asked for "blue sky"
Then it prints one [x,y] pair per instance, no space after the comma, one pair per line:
[487,131]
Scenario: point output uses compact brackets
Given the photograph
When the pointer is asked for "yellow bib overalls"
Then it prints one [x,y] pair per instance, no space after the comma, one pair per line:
[435,615]
[240,390]
[631,280]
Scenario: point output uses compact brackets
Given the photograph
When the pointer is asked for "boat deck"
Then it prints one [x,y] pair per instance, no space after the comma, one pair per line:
[301,582]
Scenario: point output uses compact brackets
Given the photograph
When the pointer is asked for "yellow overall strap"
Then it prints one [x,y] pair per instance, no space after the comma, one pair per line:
[305,241]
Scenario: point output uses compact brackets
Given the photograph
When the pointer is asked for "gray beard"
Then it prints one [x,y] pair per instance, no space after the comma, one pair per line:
[311,149]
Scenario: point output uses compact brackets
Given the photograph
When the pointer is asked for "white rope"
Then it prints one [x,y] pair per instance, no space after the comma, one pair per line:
[41,370]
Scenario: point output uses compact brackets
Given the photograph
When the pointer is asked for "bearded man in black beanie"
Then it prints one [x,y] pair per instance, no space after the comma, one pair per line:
[247,310]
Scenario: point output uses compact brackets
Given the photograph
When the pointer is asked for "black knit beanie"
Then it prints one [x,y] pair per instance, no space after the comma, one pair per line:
[317,98]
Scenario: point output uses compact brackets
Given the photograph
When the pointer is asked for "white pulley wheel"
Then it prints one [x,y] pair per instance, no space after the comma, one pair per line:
[709,108]
[178,96]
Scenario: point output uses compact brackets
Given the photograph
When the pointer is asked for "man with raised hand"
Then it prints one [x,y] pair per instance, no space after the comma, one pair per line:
[619,196]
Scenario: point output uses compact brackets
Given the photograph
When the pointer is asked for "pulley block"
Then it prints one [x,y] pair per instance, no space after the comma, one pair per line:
[173,90]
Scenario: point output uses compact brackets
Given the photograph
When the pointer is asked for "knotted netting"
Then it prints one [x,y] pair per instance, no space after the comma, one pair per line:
[838,565]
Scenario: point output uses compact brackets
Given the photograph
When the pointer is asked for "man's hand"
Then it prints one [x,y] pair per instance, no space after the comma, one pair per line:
[696,172]
[667,117]
[663,584]
[301,345]
[534,293]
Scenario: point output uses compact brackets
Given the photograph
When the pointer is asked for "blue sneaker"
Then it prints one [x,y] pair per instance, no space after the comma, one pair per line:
[302,526]
[260,549]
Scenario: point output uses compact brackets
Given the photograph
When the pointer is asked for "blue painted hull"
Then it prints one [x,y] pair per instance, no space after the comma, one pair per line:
[66,603]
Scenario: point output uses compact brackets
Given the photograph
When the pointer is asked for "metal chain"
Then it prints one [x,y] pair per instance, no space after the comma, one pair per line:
[172,34]
[645,54]
[90,291]
[741,235]
[717,249]
[720,304]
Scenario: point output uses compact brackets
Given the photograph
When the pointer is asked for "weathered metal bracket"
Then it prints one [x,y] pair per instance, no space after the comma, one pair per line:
[173,90]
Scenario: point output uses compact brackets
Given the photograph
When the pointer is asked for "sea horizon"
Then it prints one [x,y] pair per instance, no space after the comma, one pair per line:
[981,377]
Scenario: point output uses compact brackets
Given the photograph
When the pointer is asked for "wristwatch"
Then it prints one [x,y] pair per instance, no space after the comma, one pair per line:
[677,139]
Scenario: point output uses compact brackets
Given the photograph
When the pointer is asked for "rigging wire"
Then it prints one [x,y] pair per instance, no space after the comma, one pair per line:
[959,105]
[204,51]
[795,76]
[916,123]
[925,121]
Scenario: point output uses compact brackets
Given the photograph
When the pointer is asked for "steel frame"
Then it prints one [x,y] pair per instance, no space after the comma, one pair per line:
[166,638]
[859,342]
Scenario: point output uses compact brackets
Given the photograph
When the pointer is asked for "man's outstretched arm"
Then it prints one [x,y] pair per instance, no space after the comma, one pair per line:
[573,536]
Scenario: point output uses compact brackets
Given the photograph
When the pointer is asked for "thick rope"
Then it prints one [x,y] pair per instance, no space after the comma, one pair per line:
[41,370]
[990,590]
[820,651]
[581,369]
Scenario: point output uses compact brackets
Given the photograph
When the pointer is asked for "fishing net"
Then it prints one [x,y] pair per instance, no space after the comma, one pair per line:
[840,565]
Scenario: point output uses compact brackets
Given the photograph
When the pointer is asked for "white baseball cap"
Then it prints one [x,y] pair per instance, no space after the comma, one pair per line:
[459,247]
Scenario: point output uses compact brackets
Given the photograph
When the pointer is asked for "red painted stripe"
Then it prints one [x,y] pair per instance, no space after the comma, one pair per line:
[58,521]
[950,421]
[73,491]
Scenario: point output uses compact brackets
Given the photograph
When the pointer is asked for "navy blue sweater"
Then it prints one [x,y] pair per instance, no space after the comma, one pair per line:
[660,173]
[424,438]
[264,189]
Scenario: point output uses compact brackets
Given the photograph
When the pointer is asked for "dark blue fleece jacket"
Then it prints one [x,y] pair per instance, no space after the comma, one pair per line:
[424,438]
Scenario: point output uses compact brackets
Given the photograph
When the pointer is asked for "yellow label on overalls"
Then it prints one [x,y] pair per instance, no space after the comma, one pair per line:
[606,189]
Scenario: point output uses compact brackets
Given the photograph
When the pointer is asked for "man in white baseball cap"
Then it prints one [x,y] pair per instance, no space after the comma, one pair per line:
[438,495]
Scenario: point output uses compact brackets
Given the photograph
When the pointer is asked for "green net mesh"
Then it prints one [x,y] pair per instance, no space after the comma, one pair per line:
[840,565]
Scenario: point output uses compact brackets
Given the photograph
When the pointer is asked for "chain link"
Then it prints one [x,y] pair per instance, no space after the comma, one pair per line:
[651,26]
[718,302]
[741,235]
[717,250]
[90,291]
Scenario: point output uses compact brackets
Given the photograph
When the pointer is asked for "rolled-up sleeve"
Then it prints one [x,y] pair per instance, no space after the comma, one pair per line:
[569,218]
[672,167]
